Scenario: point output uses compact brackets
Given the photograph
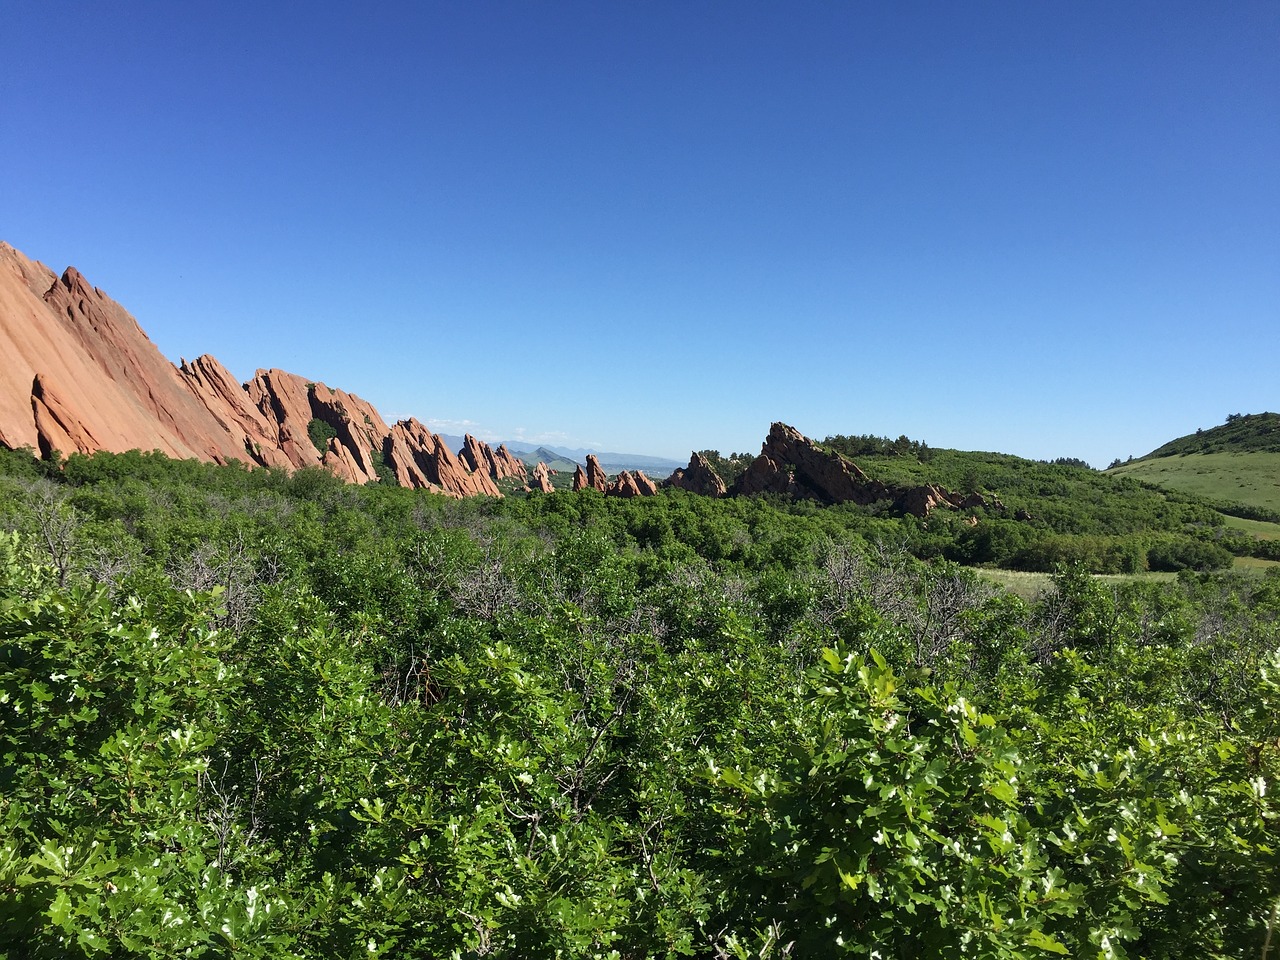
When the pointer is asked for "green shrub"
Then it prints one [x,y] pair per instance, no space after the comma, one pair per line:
[321,433]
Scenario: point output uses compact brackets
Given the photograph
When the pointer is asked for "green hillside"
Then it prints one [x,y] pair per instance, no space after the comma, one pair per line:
[1236,465]
[553,460]
[1044,514]
[1242,433]
[1251,479]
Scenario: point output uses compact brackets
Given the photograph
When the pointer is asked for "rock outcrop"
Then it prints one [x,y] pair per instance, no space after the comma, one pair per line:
[479,456]
[646,486]
[542,479]
[628,483]
[623,485]
[793,465]
[508,465]
[228,401]
[290,403]
[596,477]
[78,374]
[699,477]
[420,459]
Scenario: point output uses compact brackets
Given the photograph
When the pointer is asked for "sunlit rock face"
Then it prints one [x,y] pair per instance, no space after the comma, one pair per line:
[78,374]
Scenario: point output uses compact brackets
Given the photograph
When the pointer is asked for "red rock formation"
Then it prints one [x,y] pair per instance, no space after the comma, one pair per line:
[77,374]
[623,485]
[579,479]
[791,464]
[699,477]
[56,425]
[102,384]
[509,466]
[291,402]
[629,484]
[541,479]
[228,400]
[422,460]
[646,486]
[921,501]
[596,477]
[478,455]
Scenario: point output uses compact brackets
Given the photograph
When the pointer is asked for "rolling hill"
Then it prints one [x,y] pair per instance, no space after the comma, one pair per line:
[1236,464]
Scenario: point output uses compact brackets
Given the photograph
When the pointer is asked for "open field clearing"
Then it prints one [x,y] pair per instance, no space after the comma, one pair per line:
[1029,585]
[1258,528]
[1251,478]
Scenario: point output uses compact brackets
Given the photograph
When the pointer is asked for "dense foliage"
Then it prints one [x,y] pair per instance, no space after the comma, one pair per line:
[867,445]
[321,432]
[730,467]
[247,713]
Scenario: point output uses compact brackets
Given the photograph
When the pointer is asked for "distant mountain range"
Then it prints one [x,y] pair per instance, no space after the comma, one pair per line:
[611,461]
[566,458]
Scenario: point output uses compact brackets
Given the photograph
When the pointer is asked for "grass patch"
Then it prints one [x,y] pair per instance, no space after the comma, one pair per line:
[1028,585]
[1256,528]
[1254,565]
[1249,478]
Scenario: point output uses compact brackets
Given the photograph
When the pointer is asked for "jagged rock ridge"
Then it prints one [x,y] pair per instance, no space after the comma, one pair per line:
[498,464]
[699,477]
[542,478]
[78,374]
[793,465]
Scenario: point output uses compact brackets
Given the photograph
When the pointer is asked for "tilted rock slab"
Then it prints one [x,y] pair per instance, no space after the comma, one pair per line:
[793,465]
[542,479]
[422,460]
[508,465]
[78,375]
[479,456]
[699,477]
[596,477]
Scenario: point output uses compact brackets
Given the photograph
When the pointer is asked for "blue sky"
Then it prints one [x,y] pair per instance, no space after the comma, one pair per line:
[1049,229]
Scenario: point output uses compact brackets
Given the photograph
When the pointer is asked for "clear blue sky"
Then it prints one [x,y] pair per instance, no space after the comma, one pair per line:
[1050,229]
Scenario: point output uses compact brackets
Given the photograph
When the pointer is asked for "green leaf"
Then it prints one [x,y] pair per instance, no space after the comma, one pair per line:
[1043,941]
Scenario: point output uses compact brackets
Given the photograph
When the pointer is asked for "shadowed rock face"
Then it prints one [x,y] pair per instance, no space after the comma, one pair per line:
[596,477]
[422,460]
[646,486]
[699,477]
[542,479]
[77,375]
[793,465]
[479,456]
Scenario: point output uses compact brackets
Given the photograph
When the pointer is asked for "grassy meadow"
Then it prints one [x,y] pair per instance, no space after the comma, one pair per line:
[1251,478]
[1255,528]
